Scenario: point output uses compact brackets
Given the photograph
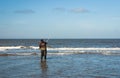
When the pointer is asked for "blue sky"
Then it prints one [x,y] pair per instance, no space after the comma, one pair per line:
[59,19]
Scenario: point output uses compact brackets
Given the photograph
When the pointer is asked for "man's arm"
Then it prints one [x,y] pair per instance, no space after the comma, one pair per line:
[39,45]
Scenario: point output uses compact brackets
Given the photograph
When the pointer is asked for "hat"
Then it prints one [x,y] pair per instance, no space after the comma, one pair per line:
[42,40]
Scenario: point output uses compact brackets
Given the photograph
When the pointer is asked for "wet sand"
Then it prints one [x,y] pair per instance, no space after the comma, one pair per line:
[60,66]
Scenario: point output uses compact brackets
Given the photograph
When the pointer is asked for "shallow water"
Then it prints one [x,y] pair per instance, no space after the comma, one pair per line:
[60,66]
[28,47]
[67,58]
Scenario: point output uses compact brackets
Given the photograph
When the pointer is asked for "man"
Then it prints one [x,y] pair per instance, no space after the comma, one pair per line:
[43,48]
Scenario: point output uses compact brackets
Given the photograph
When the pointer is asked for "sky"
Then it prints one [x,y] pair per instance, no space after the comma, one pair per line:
[59,19]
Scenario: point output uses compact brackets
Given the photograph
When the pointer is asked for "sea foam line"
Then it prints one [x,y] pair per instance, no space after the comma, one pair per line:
[83,48]
[16,47]
[64,48]
[58,53]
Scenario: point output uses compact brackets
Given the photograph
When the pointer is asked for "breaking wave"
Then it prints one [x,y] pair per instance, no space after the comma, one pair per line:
[33,50]
[62,48]
[16,47]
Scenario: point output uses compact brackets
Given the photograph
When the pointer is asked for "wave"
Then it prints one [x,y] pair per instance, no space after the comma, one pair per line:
[61,53]
[17,47]
[58,53]
[33,50]
[62,48]
[83,48]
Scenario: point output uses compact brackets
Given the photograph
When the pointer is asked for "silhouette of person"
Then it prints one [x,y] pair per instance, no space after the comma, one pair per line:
[43,48]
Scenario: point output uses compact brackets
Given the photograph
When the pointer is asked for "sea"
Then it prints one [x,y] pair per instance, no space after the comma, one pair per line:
[60,46]
[66,58]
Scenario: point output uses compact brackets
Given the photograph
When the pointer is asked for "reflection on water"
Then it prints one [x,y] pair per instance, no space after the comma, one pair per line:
[44,67]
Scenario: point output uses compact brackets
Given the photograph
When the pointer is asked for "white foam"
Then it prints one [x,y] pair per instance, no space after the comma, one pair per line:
[56,49]
[60,53]
[25,54]
[11,47]
[97,49]
[16,47]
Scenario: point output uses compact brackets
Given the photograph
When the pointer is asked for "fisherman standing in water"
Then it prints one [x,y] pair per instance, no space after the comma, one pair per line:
[43,48]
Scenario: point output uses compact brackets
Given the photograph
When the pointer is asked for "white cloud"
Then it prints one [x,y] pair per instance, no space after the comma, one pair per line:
[79,10]
[60,9]
[25,11]
[75,10]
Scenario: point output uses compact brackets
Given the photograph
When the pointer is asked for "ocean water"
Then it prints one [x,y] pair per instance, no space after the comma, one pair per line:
[67,58]
[61,46]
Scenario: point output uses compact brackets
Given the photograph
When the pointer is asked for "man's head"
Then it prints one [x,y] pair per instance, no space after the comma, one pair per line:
[42,40]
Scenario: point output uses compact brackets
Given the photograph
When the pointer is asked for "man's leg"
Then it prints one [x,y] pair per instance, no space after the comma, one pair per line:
[42,54]
[45,54]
